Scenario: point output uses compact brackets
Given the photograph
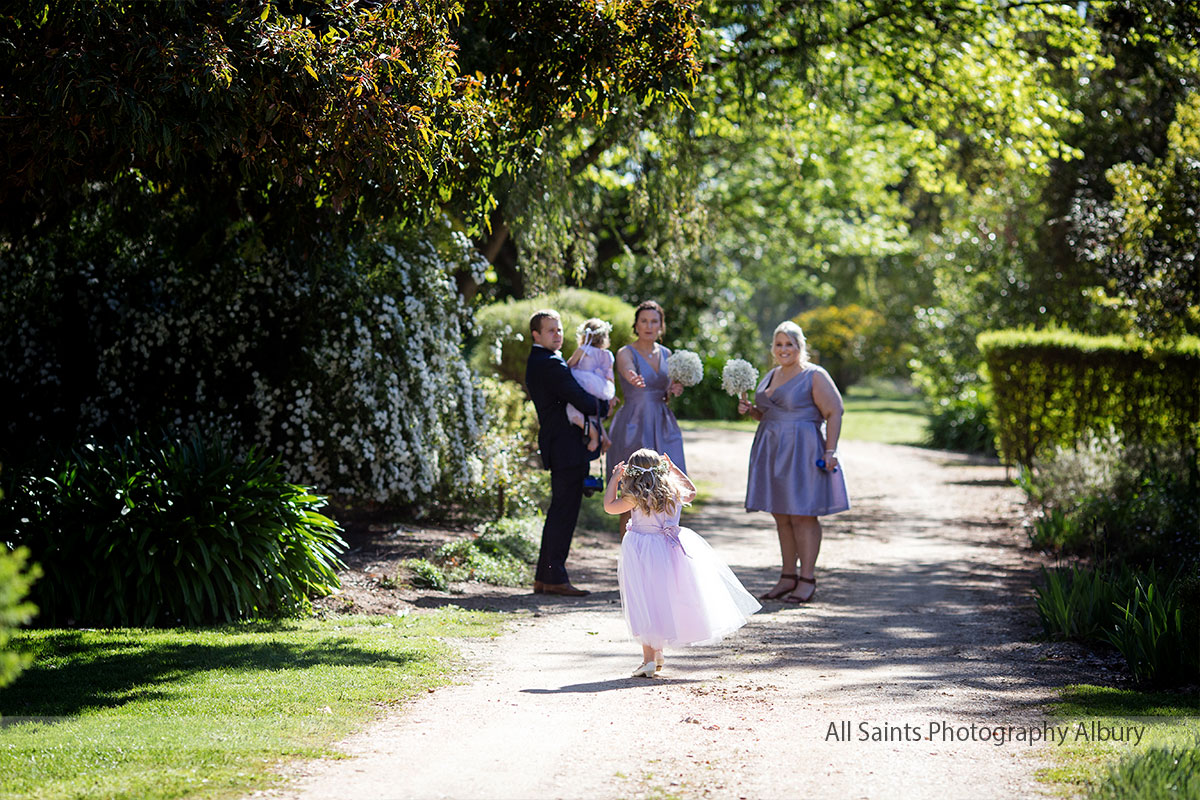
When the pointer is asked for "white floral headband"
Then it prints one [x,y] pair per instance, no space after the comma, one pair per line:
[586,334]
[633,470]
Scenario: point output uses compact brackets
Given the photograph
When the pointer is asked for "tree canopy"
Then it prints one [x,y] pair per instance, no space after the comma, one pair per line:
[309,116]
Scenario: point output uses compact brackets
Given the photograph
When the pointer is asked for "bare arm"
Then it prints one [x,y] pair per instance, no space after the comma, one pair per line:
[829,402]
[612,504]
[574,359]
[689,493]
[626,367]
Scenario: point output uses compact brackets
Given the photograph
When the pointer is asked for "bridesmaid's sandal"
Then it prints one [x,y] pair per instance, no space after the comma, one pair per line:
[794,598]
[658,662]
[780,591]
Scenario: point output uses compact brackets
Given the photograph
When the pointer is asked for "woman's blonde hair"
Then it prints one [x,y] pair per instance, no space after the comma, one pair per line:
[649,482]
[793,332]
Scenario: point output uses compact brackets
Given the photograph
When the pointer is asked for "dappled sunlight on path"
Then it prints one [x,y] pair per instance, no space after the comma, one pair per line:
[922,622]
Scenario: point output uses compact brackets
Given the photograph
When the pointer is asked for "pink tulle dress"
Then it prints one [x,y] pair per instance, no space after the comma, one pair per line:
[593,372]
[674,588]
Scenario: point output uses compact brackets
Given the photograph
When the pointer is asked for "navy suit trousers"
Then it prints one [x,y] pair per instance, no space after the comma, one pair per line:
[566,496]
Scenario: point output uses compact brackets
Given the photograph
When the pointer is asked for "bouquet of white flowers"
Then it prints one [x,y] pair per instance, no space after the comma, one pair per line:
[738,377]
[685,367]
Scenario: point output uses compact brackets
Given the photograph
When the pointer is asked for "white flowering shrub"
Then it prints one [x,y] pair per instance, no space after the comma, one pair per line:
[351,369]
[512,482]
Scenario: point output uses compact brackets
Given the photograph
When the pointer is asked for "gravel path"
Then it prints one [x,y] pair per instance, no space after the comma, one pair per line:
[923,622]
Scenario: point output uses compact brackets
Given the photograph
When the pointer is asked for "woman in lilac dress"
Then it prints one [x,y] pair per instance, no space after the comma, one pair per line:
[644,420]
[799,410]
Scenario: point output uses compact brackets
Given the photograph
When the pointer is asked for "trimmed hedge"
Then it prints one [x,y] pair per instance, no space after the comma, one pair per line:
[1053,387]
[503,345]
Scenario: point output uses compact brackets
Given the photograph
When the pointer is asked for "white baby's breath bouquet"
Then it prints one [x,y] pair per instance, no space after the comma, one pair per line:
[738,377]
[685,367]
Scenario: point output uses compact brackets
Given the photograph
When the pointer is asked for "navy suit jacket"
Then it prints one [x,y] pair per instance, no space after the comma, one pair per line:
[551,386]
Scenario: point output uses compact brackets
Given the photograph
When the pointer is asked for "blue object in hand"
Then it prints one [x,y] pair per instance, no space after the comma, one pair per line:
[821,464]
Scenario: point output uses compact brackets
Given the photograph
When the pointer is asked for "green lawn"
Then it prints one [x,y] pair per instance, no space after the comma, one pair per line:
[143,713]
[876,411]
[1167,721]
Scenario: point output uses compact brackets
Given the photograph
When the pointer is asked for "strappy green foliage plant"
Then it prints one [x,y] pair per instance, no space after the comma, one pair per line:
[1142,614]
[169,532]
[1079,603]
[1151,635]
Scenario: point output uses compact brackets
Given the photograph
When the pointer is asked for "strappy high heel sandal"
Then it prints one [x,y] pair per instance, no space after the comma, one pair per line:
[791,596]
[658,661]
[775,594]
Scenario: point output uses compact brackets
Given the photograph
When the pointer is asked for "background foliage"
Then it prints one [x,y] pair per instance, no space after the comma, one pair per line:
[503,343]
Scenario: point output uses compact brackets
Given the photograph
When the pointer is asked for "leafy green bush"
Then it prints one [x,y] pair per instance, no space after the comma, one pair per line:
[503,479]
[518,537]
[1058,532]
[502,347]
[706,400]
[962,424]
[16,576]
[1103,499]
[1155,774]
[347,364]
[169,532]
[464,561]
[850,342]
[426,575]
[1054,387]
[502,555]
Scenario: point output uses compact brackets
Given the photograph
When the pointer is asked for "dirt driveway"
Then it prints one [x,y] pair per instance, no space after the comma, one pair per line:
[922,624]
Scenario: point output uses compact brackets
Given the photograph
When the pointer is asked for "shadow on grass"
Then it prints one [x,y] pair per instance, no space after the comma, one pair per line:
[75,673]
[1102,701]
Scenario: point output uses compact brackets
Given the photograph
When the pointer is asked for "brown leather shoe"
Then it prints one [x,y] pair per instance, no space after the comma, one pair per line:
[565,589]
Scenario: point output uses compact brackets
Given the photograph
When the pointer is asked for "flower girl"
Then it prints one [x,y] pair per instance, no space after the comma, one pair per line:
[592,367]
[675,590]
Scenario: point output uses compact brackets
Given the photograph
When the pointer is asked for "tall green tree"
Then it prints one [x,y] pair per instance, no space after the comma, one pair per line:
[251,216]
[825,144]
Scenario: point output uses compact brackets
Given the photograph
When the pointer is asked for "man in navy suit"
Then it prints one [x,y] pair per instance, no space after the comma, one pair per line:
[563,449]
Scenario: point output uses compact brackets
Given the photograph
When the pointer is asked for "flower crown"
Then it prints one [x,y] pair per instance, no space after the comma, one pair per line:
[585,334]
[633,470]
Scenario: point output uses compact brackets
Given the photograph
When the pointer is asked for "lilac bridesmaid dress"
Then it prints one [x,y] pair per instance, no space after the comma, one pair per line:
[784,476]
[644,420]
[675,590]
